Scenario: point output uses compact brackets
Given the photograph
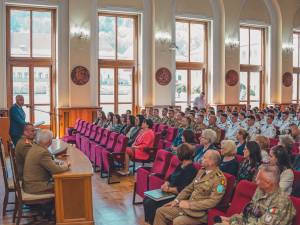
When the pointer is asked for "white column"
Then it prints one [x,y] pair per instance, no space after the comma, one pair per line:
[164,23]
[218,65]
[3,91]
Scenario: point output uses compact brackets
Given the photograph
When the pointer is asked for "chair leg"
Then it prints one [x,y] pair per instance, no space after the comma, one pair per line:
[20,214]
[15,209]
[5,202]
[133,167]
[134,192]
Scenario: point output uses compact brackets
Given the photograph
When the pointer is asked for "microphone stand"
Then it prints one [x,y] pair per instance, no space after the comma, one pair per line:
[43,111]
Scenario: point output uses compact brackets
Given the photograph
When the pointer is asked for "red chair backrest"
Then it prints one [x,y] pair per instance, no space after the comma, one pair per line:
[239,158]
[295,149]
[104,137]
[296,203]
[174,162]
[112,139]
[162,127]
[93,131]
[155,127]
[161,162]
[296,178]
[88,130]
[197,165]
[273,142]
[172,131]
[242,196]
[222,136]
[99,134]
[77,123]
[121,143]
[229,190]
[156,140]
[84,125]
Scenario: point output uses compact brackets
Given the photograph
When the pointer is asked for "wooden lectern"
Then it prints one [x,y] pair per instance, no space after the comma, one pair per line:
[4,132]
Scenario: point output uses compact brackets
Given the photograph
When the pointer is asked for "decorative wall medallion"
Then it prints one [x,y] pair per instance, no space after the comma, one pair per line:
[232,78]
[287,79]
[163,76]
[80,75]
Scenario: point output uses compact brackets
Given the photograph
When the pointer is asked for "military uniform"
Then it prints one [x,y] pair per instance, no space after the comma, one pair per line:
[21,150]
[38,170]
[273,208]
[171,122]
[205,192]
[155,119]
[252,131]
[164,120]
[199,127]
[268,130]
[232,131]
[218,132]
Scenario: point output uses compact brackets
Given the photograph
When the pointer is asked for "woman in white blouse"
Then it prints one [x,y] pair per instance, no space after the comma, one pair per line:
[280,157]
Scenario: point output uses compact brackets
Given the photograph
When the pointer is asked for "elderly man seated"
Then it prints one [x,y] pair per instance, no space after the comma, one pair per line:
[192,203]
[39,166]
[269,204]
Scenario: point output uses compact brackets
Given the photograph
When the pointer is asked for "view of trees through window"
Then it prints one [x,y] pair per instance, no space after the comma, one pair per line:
[296,67]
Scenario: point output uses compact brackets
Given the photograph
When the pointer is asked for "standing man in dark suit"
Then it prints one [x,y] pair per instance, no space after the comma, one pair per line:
[17,119]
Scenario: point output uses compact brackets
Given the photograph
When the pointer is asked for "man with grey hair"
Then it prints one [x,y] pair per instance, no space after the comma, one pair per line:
[193,202]
[39,166]
[269,204]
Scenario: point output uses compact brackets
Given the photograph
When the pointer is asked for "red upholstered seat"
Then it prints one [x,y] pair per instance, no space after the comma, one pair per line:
[69,130]
[81,133]
[273,142]
[172,132]
[109,146]
[158,168]
[94,143]
[155,127]
[155,182]
[296,203]
[242,196]
[162,127]
[239,158]
[71,133]
[296,178]
[114,156]
[85,139]
[102,143]
[224,204]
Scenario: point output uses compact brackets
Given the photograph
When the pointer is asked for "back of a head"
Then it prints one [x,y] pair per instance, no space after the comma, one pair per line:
[214,156]
[271,173]
[44,136]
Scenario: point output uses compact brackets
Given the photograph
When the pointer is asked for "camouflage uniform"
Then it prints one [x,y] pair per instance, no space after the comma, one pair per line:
[199,127]
[273,208]
[205,192]
[156,119]
[164,120]
[21,150]
[171,122]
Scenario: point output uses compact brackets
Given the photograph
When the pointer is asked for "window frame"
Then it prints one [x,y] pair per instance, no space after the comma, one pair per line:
[117,64]
[190,66]
[296,70]
[248,68]
[31,62]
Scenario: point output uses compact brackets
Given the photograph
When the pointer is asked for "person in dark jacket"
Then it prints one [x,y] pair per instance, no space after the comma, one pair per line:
[17,119]
[229,164]
[207,142]
[183,175]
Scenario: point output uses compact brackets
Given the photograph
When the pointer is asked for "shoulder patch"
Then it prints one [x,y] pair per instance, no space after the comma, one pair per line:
[220,188]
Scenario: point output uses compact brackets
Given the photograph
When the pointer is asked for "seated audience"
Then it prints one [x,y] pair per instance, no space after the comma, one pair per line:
[222,123]
[286,141]
[284,123]
[145,139]
[156,118]
[134,131]
[251,129]
[23,146]
[188,137]
[123,122]
[233,127]
[229,164]
[117,125]
[193,202]
[295,132]
[279,157]
[268,130]
[199,126]
[39,166]
[241,137]
[130,122]
[109,121]
[164,114]
[207,141]
[171,118]
[101,118]
[185,125]
[269,205]
[252,161]
[264,144]
[212,124]
[183,175]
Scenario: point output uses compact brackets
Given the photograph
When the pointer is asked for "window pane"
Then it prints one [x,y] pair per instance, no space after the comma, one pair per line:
[107,37]
[182,41]
[183,105]
[41,34]
[244,46]
[255,47]
[108,108]
[125,85]
[197,43]
[107,85]
[243,86]
[27,113]
[125,38]
[196,84]
[42,116]
[254,86]
[20,33]
[41,85]
[21,83]
[296,50]
[181,86]
[294,95]
[124,107]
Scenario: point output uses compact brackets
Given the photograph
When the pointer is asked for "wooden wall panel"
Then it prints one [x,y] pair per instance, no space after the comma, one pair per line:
[4,131]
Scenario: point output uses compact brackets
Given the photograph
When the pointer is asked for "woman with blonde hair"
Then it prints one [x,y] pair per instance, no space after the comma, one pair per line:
[207,142]
[229,164]
[264,144]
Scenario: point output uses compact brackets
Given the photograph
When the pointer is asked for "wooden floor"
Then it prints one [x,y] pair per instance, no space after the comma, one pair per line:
[112,204]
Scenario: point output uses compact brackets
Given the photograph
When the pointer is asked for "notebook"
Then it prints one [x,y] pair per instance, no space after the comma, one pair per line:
[159,195]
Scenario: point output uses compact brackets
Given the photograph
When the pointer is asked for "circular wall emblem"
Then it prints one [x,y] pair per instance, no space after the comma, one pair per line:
[163,76]
[232,78]
[287,79]
[80,75]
